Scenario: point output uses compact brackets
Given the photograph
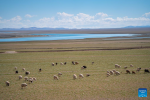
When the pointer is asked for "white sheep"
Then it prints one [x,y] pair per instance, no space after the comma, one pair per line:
[15,68]
[59,74]
[23,85]
[131,65]
[53,64]
[114,70]
[117,73]
[26,78]
[108,74]
[7,83]
[20,77]
[34,79]
[61,63]
[23,69]
[116,65]
[125,67]
[30,80]
[111,72]
[55,77]
[81,76]
[74,76]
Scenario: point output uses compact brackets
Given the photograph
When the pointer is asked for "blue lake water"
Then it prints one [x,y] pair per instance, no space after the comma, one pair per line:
[63,37]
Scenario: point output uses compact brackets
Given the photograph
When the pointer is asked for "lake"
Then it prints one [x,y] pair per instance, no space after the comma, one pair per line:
[57,36]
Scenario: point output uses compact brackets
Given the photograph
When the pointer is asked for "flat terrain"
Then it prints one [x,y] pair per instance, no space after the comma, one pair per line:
[104,53]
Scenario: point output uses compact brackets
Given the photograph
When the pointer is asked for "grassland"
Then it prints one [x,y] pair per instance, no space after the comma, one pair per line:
[105,54]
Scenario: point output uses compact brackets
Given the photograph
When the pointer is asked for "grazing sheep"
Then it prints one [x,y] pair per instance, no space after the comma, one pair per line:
[16,72]
[34,79]
[117,73]
[116,65]
[30,80]
[59,74]
[87,75]
[74,76]
[65,63]
[23,69]
[138,69]
[61,63]
[108,74]
[56,63]
[83,67]
[27,72]
[23,85]
[133,72]
[7,83]
[125,67]
[146,71]
[26,78]
[76,63]
[111,72]
[40,70]
[92,63]
[53,64]
[81,76]
[114,70]
[73,62]
[20,77]
[128,72]
[15,68]
[131,65]
[55,77]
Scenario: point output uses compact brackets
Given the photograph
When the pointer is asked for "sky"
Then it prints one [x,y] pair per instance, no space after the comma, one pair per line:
[74,13]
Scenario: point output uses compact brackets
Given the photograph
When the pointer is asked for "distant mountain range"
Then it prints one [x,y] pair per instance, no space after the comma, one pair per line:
[46,28]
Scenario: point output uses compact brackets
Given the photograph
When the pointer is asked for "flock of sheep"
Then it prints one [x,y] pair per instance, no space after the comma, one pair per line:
[30,79]
[56,77]
[114,72]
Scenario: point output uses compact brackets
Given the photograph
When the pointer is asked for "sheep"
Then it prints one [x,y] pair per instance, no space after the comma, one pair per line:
[76,63]
[125,67]
[16,72]
[117,73]
[117,66]
[111,72]
[114,70]
[146,71]
[133,72]
[55,77]
[73,62]
[26,78]
[92,63]
[87,75]
[74,76]
[34,79]
[59,74]
[53,64]
[131,65]
[20,77]
[108,74]
[61,63]
[27,72]
[56,63]
[65,63]
[30,80]
[7,83]
[138,69]
[128,72]
[15,68]
[81,76]
[40,70]
[23,69]
[83,67]
[23,85]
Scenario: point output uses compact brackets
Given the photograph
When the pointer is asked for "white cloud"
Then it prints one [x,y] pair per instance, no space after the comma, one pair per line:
[147,14]
[28,16]
[16,19]
[0,17]
[80,20]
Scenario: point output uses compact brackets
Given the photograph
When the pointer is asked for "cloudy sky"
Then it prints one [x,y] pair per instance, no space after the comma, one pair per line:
[74,13]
